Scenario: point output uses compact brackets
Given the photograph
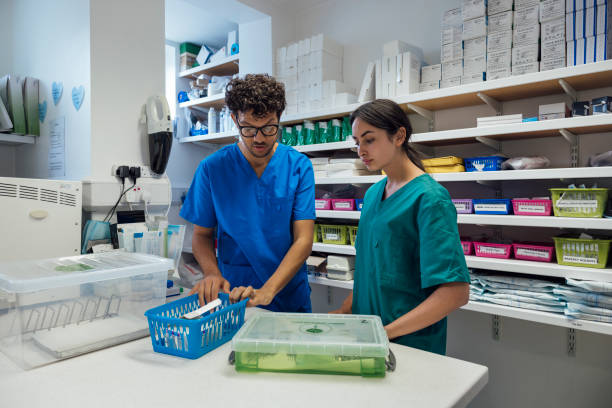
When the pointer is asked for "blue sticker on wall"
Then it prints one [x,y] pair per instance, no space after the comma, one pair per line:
[77,96]
[57,88]
[42,111]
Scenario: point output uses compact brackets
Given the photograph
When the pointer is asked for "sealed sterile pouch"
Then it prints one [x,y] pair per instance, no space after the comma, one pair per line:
[525,163]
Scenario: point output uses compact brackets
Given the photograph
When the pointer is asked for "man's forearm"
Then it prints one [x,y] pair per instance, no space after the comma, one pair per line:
[204,252]
[291,263]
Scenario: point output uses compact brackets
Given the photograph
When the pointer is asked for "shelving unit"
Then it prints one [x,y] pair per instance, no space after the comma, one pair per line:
[565,80]
[503,220]
[215,101]
[12,139]
[553,319]
[217,138]
[225,66]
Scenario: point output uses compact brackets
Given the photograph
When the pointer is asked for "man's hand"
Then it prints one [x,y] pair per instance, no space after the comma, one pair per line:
[208,288]
[259,297]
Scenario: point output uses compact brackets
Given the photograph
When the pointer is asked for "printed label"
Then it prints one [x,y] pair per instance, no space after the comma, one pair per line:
[492,250]
[532,208]
[319,205]
[581,260]
[461,206]
[332,237]
[577,203]
[343,205]
[533,253]
[490,207]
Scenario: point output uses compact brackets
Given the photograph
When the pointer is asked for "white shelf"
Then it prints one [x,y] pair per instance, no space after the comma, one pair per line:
[551,269]
[13,139]
[504,220]
[321,147]
[217,138]
[540,174]
[546,128]
[225,66]
[340,215]
[334,249]
[319,280]
[552,319]
[581,77]
[536,221]
[215,101]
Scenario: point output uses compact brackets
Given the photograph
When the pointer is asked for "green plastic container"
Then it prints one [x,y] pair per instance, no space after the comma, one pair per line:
[312,344]
[317,233]
[579,202]
[334,234]
[335,131]
[352,234]
[347,130]
[589,253]
[190,48]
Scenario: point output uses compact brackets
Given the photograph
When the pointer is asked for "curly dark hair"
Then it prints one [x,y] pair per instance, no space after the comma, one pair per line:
[259,93]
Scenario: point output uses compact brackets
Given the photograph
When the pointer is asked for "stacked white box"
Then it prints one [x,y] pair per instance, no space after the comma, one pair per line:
[526,37]
[501,40]
[588,31]
[451,52]
[499,64]
[474,28]
[475,47]
[452,49]
[499,6]
[431,75]
[452,34]
[500,22]
[401,73]
[552,10]
[553,45]
[471,9]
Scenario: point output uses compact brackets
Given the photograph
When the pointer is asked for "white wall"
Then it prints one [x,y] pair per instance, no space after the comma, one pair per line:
[6,33]
[363,26]
[50,41]
[127,66]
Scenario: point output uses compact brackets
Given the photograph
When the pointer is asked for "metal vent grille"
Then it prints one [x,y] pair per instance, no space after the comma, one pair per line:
[30,193]
[8,190]
[49,196]
[68,199]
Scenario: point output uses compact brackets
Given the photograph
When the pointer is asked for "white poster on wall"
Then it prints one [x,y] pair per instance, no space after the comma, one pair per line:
[57,148]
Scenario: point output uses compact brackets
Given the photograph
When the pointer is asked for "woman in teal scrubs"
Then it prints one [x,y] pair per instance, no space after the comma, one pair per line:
[410,268]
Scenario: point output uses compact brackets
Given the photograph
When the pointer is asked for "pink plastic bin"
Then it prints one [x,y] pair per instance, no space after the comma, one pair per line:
[489,250]
[323,203]
[468,247]
[343,204]
[536,206]
[533,252]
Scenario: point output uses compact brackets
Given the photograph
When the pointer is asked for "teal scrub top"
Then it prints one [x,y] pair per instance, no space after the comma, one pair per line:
[407,245]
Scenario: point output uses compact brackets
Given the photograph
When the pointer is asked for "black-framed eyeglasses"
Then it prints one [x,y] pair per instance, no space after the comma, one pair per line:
[251,131]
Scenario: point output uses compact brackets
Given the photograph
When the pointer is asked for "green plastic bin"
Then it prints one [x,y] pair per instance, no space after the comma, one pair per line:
[589,253]
[579,202]
[334,234]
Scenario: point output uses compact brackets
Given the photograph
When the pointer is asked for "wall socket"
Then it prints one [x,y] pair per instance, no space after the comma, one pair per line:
[145,171]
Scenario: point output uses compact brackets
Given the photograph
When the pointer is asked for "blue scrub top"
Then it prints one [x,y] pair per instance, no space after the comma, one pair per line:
[254,217]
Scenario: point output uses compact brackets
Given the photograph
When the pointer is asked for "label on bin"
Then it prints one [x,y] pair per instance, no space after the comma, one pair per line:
[581,259]
[461,206]
[319,205]
[491,207]
[532,208]
[332,236]
[576,203]
[533,253]
[343,205]
[492,250]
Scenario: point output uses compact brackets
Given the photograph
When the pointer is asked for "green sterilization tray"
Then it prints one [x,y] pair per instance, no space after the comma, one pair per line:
[312,343]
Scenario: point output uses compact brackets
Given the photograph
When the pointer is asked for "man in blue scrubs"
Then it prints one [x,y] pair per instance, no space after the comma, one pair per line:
[259,195]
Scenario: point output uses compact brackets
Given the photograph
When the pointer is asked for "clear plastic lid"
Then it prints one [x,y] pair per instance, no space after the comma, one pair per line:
[328,334]
[35,275]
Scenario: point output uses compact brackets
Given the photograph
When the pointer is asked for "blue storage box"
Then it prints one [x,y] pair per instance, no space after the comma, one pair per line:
[502,206]
[489,163]
[358,203]
[193,338]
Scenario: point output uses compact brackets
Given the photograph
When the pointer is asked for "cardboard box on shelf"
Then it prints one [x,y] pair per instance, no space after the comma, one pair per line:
[527,16]
[552,50]
[474,65]
[452,17]
[499,6]
[473,78]
[553,30]
[431,73]
[498,72]
[451,52]
[500,22]
[447,83]
[452,69]
[474,28]
[475,47]
[526,35]
[527,68]
[452,34]
[471,9]
[501,40]
[429,86]
[553,111]
[552,10]
[525,54]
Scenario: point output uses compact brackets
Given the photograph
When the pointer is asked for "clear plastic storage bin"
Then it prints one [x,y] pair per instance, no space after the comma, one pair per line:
[312,343]
[52,309]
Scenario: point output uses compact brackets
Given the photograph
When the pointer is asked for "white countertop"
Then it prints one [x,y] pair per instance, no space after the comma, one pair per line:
[133,375]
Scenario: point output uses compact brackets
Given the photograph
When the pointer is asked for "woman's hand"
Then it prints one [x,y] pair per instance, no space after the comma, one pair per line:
[257,297]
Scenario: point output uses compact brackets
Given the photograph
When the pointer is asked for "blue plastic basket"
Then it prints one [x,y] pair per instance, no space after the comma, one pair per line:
[193,338]
[489,163]
[358,204]
[503,206]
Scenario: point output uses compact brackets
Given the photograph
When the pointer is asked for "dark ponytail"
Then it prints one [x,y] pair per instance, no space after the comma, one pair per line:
[389,116]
